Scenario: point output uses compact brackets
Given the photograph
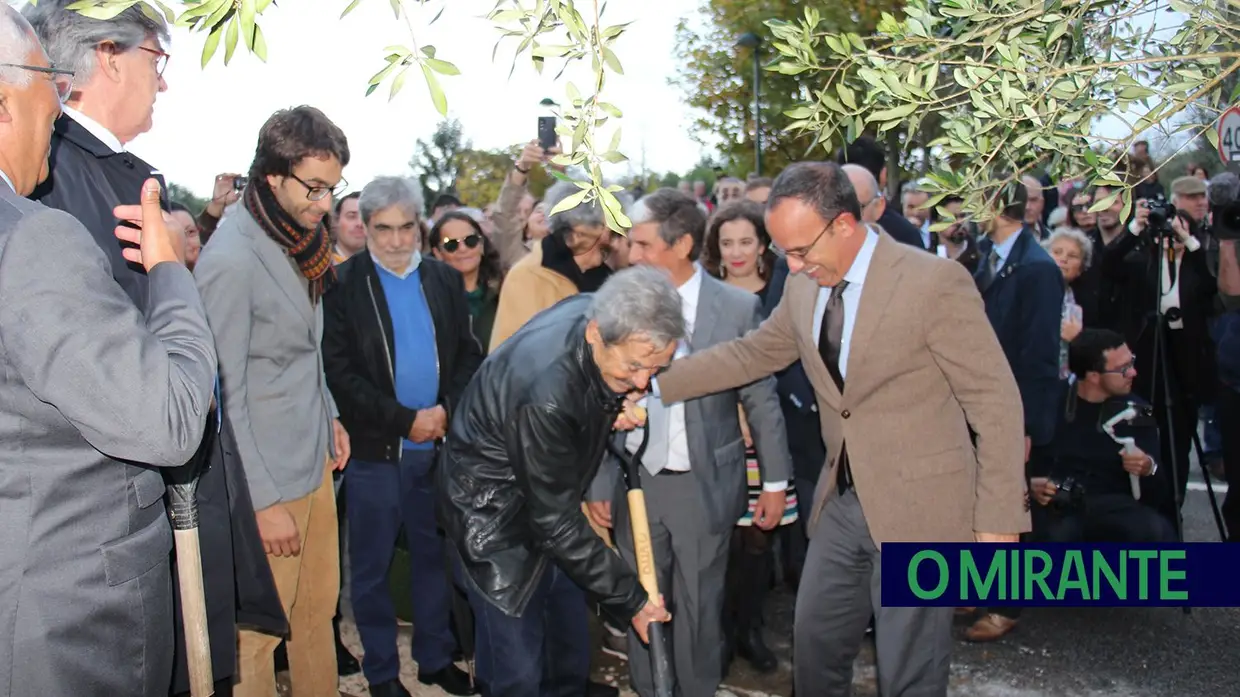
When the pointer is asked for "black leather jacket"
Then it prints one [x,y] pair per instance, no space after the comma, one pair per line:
[524,444]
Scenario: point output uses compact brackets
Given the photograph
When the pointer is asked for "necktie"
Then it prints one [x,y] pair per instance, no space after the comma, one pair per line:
[655,457]
[989,265]
[832,333]
[658,421]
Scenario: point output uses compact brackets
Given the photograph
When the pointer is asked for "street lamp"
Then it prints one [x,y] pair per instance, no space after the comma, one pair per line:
[752,41]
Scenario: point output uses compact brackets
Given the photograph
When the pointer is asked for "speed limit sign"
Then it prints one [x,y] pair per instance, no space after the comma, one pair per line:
[1229,135]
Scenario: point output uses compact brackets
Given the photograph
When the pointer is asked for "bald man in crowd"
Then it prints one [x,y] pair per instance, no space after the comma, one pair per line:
[868,196]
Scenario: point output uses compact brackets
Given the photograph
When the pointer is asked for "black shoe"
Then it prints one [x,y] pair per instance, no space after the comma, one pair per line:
[346,664]
[391,688]
[751,647]
[452,680]
[598,689]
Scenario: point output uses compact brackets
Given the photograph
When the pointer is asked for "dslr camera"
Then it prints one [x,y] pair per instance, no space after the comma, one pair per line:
[1069,492]
[1161,215]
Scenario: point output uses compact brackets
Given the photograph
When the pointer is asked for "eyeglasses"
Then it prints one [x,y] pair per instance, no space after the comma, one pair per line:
[451,244]
[318,193]
[800,252]
[62,79]
[1124,370]
[161,59]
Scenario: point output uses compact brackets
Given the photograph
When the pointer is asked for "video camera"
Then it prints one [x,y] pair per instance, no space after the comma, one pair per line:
[1162,212]
[1224,196]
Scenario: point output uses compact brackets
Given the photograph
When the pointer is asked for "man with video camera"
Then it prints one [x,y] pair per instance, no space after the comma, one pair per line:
[1165,297]
[1224,202]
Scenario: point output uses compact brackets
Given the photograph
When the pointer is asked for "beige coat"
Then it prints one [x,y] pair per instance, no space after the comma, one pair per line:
[923,367]
[529,289]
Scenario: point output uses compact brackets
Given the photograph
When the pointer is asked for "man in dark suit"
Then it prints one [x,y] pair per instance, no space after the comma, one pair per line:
[85,587]
[119,74]
[866,152]
[1023,290]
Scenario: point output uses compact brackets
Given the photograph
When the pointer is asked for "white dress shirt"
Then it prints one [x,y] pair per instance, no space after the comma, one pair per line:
[8,181]
[415,260]
[1003,250]
[1168,292]
[677,432]
[677,438]
[851,297]
[104,135]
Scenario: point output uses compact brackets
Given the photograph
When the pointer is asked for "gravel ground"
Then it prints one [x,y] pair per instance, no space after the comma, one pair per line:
[1141,652]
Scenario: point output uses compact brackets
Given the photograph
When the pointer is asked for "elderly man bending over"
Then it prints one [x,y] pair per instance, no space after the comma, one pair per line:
[524,443]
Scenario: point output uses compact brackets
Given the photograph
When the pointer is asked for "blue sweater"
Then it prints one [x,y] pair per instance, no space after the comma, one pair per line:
[413,333]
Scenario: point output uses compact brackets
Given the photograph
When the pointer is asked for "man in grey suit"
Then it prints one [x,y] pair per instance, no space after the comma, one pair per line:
[89,385]
[262,276]
[696,487]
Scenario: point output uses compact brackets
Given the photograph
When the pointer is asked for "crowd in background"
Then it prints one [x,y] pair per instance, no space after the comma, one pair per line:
[349,320]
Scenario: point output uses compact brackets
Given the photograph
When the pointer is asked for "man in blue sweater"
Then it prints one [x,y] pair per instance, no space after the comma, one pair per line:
[398,350]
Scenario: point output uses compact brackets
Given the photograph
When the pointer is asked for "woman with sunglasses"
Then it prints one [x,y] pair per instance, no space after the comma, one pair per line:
[457,240]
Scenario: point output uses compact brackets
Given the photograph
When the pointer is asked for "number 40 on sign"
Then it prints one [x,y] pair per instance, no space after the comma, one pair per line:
[1229,135]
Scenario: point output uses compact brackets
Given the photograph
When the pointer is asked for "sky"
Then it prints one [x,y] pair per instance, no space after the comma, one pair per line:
[207,122]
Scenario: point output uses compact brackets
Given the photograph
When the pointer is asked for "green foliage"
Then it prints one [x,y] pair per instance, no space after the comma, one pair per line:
[185,197]
[233,21]
[436,161]
[717,77]
[557,30]
[1016,83]
[481,174]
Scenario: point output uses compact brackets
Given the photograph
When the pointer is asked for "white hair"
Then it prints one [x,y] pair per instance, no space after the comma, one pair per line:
[1072,235]
[71,37]
[385,192]
[638,302]
[16,43]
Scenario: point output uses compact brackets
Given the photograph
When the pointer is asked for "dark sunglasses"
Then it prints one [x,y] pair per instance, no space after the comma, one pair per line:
[450,245]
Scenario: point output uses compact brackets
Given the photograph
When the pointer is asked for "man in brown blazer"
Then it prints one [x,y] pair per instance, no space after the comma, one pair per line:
[907,333]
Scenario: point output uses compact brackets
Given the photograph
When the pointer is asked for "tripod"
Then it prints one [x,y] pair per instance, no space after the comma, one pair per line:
[1162,376]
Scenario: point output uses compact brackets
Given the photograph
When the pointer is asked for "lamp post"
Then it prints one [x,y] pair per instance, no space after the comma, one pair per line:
[752,41]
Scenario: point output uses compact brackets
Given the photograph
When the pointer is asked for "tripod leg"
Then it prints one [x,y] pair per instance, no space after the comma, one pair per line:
[1205,473]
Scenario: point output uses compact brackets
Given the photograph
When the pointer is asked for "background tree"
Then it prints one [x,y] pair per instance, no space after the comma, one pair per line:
[481,174]
[435,162]
[717,77]
[1016,83]
[185,197]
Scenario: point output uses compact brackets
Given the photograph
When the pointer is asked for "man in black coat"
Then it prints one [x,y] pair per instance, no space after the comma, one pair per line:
[118,73]
[398,351]
[868,153]
[526,439]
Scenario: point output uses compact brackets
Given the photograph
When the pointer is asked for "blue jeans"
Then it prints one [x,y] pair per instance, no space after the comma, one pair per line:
[383,497]
[543,653]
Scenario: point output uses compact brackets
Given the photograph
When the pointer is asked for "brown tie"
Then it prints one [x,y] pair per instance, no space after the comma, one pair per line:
[832,333]
[829,342]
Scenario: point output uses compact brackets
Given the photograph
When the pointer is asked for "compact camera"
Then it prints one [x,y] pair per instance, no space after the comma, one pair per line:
[1069,492]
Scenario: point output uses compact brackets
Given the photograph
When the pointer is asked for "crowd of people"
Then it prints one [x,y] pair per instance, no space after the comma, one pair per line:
[801,366]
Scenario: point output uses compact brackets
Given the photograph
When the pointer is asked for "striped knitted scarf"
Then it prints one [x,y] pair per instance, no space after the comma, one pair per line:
[311,249]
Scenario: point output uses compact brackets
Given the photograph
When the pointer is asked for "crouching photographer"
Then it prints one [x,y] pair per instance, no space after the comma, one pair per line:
[1080,484]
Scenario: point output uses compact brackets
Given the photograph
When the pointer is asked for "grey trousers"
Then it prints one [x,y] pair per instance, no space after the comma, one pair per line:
[691,562]
[840,588]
